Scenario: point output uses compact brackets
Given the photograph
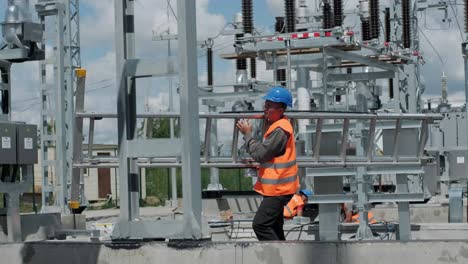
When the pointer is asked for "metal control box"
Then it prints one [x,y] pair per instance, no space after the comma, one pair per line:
[408,142]
[7,143]
[27,144]
[458,169]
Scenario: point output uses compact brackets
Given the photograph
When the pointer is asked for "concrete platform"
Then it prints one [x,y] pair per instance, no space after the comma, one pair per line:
[388,252]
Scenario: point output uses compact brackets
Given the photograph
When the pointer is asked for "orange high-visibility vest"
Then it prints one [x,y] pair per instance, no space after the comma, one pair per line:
[290,210]
[279,176]
[370,217]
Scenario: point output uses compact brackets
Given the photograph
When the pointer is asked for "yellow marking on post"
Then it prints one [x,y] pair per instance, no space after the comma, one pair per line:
[80,73]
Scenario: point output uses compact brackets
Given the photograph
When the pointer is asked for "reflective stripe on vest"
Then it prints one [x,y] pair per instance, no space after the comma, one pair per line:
[278,181]
[289,211]
[285,165]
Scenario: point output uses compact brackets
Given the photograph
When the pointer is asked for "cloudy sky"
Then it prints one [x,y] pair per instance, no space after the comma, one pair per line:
[98,57]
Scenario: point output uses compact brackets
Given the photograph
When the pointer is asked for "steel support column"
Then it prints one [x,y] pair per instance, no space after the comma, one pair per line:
[191,178]
[76,190]
[404,230]
[124,43]
[61,115]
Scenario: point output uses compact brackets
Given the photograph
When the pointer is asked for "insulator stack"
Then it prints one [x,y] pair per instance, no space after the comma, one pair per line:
[241,64]
[247,16]
[253,68]
[327,16]
[405,7]
[209,65]
[374,19]
[466,16]
[290,10]
[338,13]
[390,88]
[280,26]
[281,77]
[388,27]
[365,30]
[338,98]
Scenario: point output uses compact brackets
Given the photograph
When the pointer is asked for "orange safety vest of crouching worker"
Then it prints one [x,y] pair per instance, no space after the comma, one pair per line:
[290,210]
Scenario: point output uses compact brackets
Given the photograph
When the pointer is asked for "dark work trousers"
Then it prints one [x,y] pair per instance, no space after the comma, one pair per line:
[268,221]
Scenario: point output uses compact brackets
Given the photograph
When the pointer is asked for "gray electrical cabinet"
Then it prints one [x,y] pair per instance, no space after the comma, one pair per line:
[432,172]
[458,168]
[27,144]
[330,144]
[453,127]
[408,142]
[7,143]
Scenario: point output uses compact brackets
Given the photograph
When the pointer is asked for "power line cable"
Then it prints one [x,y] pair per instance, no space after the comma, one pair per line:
[100,81]
[456,19]
[432,46]
[172,10]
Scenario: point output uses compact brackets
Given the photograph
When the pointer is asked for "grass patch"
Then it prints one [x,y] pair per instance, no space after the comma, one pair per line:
[158,181]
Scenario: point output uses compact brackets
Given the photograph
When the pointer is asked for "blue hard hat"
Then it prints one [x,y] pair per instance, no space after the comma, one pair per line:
[279,95]
[306,192]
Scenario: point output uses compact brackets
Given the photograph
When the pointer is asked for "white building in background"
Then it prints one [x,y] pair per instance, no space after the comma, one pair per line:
[99,183]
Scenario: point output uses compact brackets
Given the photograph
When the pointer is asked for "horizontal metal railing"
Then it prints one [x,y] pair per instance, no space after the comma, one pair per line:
[347,124]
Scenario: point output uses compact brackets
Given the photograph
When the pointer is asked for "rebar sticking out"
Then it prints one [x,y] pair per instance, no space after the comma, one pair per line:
[388,27]
[290,12]
[374,19]
[338,13]
[405,8]
[247,16]
[327,16]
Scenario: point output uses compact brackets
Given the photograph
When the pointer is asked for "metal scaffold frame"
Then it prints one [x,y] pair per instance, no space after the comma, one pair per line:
[57,101]
[337,166]
[128,69]
[324,51]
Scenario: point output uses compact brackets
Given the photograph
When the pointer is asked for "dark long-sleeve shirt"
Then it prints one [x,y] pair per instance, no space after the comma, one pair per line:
[273,146]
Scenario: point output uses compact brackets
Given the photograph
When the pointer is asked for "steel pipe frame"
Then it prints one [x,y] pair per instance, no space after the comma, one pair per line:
[128,226]
[294,115]
[64,109]
[372,198]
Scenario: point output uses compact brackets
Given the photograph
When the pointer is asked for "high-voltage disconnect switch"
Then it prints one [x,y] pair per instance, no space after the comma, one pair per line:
[20,34]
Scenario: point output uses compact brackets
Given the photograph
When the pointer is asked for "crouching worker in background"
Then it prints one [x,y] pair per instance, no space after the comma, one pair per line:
[295,207]
[351,215]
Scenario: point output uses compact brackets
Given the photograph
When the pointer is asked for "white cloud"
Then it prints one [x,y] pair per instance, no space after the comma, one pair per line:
[97,38]
[98,56]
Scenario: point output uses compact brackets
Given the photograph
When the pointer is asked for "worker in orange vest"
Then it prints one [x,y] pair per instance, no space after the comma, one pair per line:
[295,207]
[352,216]
[277,176]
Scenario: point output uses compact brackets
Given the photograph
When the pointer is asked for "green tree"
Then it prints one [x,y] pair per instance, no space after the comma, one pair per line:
[158,181]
